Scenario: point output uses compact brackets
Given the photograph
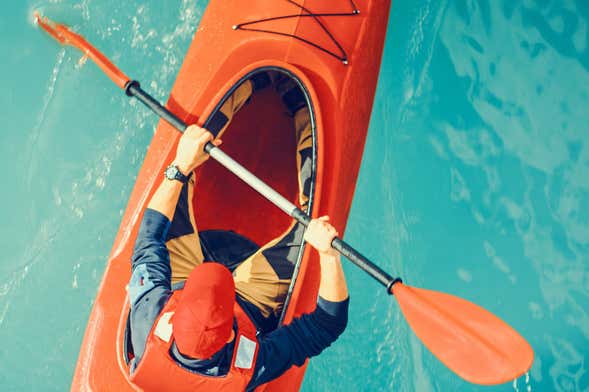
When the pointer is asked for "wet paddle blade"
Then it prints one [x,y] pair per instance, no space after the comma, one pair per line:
[472,342]
[62,34]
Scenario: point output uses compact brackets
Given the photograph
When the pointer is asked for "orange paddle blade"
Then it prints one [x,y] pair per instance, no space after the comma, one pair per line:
[472,342]
[65,36]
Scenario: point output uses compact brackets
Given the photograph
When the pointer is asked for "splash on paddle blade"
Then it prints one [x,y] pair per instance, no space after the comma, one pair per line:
[471,341]
[50,28]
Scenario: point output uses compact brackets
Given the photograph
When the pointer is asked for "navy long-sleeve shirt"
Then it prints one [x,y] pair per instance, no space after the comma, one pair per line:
[150,289]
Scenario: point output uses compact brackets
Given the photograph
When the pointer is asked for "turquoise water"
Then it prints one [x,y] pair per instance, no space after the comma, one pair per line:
[475,181]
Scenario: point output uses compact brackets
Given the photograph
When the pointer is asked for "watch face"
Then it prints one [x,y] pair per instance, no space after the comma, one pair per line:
[171,172]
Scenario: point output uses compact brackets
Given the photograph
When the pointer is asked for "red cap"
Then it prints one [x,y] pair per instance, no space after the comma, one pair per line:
[203,319]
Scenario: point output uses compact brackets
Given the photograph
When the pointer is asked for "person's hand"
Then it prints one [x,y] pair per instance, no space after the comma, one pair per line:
[320,234]
[190,153]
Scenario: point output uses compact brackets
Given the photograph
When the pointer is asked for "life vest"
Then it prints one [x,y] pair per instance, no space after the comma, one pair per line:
[158,371]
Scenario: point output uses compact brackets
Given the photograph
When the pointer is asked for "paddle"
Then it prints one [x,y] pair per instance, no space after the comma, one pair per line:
[471,341]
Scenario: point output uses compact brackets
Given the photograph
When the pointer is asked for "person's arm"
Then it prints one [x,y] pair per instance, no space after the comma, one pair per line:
[310,334]
[151,261]
[150,284]
[189,155]
[332,286]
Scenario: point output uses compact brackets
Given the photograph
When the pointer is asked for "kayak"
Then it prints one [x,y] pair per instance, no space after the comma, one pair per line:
[332,51]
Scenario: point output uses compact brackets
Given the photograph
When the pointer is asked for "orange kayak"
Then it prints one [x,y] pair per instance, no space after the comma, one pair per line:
[332,49]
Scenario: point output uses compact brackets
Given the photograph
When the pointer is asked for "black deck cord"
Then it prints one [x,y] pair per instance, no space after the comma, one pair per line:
[343,57]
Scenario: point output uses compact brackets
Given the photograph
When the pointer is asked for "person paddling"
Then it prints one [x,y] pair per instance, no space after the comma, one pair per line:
[215,333]
[470,340]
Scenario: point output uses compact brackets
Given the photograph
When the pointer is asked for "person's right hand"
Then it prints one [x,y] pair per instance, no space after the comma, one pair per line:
[190,153]
[320,234]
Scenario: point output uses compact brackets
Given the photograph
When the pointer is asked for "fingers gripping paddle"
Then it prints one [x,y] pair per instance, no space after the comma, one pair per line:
[471,341]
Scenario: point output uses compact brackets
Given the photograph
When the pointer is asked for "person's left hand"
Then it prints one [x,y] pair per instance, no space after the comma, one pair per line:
[190,153]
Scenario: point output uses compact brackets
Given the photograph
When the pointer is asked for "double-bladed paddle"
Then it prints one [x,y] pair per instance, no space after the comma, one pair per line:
[471,341]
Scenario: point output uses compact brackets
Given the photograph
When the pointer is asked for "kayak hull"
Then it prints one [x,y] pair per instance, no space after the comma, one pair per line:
[341,97]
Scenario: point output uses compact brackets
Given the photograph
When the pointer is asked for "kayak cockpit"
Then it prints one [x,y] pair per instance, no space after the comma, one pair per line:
[262,137]
[267,124]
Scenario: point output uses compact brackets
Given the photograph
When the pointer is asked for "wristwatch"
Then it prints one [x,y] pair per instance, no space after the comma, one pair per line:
[173,173]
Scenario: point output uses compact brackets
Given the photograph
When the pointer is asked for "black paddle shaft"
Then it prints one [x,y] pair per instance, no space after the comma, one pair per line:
[353,255]
[133,89]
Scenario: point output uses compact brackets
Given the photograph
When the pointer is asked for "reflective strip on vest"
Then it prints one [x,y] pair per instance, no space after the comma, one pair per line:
[163,330]
[245,353]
